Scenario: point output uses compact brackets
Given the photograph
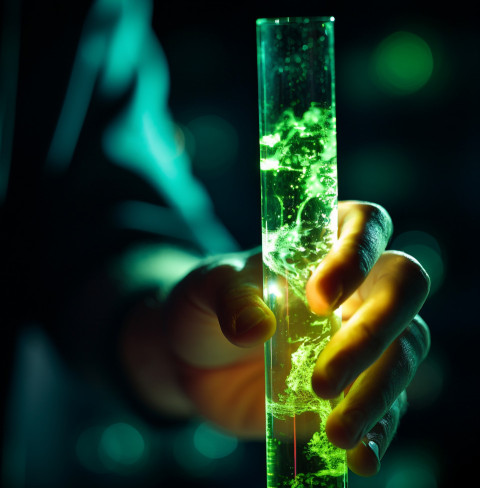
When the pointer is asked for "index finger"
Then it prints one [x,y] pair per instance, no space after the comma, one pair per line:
[364,231]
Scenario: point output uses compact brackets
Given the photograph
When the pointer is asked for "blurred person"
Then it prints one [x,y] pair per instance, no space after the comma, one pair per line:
[114,247]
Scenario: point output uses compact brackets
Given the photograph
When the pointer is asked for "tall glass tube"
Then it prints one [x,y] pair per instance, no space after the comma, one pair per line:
[299,226]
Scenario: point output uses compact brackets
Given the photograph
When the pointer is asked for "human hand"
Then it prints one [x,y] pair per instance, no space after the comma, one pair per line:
[382,341]
[217,322]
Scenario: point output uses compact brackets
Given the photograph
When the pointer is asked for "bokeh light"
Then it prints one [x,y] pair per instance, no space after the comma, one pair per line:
[203,451]
[402,63]
[212,443]
[425,249]
[188,457]
[121,446]
[118,448]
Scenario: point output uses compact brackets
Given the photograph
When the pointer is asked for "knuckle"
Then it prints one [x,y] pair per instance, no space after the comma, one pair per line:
[359,251]
[381,216]
[409,358]
[380,219]
[397,409]
[365,252]
[389,423]
[388,397]
[385,425]
[356,253]
[380,434]
[370,237]
[384,430]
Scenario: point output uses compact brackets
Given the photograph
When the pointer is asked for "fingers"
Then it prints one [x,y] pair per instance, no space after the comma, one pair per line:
[374,392]
[375,354]
[217,308]
[391,297]
[364,231]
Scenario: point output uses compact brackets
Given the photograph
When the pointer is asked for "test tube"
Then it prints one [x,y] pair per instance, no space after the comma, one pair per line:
[298,167]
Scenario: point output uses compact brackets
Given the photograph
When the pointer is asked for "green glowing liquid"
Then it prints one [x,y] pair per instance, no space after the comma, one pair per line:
[299,220]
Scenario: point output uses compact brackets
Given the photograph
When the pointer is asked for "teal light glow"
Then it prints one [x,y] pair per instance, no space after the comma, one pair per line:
[126,41]
[118,50]
[121,445]
[155,266]
[212,443]
[414,477]
[148,217]
[188,456]
[402,63]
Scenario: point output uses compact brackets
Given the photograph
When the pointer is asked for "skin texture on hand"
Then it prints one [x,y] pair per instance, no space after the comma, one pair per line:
[213,327]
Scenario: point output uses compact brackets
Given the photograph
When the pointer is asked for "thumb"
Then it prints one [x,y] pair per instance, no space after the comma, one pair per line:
[218,309]
[235,297]
[244,318]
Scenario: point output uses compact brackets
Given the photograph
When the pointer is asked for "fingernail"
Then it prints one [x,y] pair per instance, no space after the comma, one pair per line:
[354,424]
[248,318]
[373,446]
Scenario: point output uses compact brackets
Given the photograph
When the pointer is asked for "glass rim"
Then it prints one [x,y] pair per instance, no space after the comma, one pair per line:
[292,20]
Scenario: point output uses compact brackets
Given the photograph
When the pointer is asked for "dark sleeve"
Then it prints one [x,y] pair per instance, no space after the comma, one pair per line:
[111,178]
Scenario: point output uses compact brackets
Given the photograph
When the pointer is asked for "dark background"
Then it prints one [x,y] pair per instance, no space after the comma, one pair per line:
[414,153]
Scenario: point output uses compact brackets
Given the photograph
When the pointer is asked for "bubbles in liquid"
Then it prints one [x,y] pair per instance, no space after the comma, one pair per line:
[299,222]
[298,167]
